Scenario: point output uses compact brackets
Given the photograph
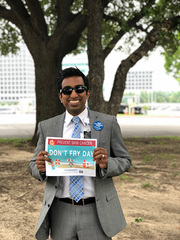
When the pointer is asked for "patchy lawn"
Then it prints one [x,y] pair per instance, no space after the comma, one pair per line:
[149,193]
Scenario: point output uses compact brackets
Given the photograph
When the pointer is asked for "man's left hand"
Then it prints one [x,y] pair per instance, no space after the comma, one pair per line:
[100,155]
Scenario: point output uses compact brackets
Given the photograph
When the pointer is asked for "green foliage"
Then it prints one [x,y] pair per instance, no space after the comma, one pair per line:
[148,158]
[49,8]
[9,103]
[172,63]
[126,96]
[175,97]
[145,108]
[117,16]
[172,53]
[9,38]
[147,185]
[15,141]
[109,32]
[125,177]
[82,46]
[175,174]
[132,20]
[138,220]
[158,96]
[77,7]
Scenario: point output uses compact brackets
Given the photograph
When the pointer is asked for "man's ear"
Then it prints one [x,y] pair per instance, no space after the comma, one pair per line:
[60,97]
[88,94]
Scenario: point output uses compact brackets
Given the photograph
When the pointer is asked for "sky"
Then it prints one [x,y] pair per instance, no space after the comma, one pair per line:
[155,62]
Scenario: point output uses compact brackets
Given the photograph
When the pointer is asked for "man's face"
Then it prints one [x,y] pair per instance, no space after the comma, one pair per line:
[75,102]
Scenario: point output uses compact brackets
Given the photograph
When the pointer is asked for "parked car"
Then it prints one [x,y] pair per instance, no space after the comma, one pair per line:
[122,108]
[7,110]
[137,109]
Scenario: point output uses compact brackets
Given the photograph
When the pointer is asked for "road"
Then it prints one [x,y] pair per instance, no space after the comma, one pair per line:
[22,125]
[149,126]
[17,125]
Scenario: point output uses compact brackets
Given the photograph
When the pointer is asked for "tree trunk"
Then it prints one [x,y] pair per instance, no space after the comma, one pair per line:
[95,55]
[47,101]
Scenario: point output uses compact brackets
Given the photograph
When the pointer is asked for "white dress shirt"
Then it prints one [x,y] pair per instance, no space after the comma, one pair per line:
[64,182]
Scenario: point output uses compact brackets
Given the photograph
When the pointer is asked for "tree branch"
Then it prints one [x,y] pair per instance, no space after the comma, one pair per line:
[149,43]
[64,14]
[69,30]
[152,38]
[7,15]
[37,17]
[22,20]
[19,10]
[130,24]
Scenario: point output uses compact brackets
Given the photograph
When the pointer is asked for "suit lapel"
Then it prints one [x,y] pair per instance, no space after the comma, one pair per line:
[93,116]
[57,128]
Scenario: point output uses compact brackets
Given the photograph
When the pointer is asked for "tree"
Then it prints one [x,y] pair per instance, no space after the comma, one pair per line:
[50,30]
[53,28]
[175,97]
[172,57]
[144,97]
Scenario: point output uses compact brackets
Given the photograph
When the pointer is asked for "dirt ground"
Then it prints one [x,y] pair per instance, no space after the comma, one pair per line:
[149,193]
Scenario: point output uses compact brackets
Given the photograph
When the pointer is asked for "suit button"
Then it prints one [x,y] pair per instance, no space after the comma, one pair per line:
[55,187]
[49,205]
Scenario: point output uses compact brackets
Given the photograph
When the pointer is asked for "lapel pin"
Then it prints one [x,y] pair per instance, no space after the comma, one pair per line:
[98,125]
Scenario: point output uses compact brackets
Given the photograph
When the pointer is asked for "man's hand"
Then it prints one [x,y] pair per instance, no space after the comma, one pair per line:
[40,160]
[100,155]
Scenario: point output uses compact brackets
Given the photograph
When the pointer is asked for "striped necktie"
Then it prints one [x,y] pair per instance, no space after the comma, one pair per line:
[76,182]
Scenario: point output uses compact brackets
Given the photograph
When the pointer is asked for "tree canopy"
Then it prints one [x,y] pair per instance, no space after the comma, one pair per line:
[51,29]
[172,57]
[137,18]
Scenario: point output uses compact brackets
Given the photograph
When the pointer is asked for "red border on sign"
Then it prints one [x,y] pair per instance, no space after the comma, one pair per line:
[73,142]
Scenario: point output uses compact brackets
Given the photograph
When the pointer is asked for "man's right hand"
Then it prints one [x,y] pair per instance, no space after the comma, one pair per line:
[42,157]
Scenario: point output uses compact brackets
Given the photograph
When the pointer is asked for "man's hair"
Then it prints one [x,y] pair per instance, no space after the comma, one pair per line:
[71,72]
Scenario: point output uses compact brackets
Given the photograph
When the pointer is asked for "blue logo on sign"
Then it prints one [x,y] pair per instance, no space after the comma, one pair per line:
[98,126]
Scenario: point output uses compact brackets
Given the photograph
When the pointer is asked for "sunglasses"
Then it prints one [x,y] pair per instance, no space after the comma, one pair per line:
[68,90]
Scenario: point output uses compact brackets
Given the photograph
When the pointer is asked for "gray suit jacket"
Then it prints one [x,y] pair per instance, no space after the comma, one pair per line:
[107,202]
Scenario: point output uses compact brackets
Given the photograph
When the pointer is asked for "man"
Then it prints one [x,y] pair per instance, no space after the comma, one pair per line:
[98,214]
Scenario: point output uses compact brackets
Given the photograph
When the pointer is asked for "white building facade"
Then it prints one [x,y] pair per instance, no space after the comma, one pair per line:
[17,74]
[139,81]
[17,78]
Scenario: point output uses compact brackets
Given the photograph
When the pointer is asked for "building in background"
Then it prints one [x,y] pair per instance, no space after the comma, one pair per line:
[17,77]
[139,81]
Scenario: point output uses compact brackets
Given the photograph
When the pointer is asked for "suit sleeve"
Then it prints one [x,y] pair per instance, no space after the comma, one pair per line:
[118,160]
[40,147]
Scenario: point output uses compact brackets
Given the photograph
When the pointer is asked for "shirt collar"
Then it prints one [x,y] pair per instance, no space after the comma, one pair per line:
[83,117]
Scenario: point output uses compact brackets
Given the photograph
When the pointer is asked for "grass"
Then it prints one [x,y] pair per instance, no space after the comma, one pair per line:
[17,142]
[138,220]
[174,159]
[147,185]
[163,155]
[125,177]
[167,137]
[148,158]
[176,174]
